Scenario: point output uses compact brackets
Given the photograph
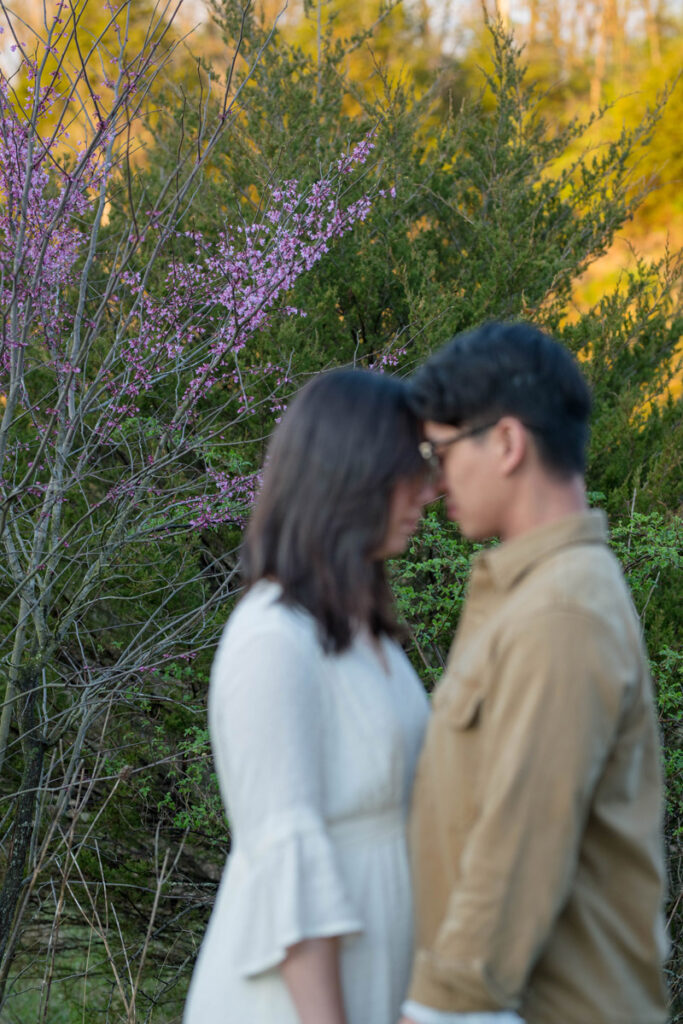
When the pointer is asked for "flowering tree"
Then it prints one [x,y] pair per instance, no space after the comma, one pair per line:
[126,374]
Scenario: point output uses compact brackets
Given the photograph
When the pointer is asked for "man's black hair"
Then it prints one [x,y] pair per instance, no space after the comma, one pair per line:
[509,369]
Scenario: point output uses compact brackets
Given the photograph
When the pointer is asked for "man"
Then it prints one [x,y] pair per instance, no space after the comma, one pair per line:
[536,831]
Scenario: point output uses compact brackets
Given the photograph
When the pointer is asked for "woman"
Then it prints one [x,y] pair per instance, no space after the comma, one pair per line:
[316,720]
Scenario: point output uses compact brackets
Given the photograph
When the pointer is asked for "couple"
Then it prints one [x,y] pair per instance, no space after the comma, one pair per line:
[532,791]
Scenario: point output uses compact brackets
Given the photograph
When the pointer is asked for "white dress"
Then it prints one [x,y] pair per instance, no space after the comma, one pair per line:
[315,755]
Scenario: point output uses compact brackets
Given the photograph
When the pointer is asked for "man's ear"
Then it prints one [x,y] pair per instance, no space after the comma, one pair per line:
[512,440]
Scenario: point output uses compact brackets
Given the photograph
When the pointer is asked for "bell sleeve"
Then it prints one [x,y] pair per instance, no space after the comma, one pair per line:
[268,733]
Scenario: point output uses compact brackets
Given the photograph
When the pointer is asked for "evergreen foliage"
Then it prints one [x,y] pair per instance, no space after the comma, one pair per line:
[497,211]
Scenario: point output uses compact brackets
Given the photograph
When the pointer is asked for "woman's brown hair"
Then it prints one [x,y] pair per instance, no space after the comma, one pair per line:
[323,507]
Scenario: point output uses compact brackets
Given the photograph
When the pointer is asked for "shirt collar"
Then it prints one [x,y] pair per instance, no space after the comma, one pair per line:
[513,558]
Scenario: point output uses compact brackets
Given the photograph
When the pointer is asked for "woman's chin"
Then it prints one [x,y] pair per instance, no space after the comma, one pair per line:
[394,547]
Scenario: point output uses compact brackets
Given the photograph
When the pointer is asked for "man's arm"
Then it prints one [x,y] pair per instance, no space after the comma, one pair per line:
[549,721]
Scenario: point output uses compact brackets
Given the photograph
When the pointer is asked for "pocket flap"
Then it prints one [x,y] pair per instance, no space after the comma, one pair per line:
[463,709]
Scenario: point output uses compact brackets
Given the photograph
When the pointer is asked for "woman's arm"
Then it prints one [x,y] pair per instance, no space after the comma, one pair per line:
[311,973]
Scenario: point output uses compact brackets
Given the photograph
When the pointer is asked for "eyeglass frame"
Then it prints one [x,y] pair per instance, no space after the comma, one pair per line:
[431,450]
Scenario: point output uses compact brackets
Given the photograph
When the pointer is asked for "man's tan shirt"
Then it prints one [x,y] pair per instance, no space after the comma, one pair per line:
[536,824]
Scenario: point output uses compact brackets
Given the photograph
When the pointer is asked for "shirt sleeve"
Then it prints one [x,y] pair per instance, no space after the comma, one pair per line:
[548,724]
[268,735]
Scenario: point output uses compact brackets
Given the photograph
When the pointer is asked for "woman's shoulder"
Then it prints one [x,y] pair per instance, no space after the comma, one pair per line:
[265,642]
[261,612]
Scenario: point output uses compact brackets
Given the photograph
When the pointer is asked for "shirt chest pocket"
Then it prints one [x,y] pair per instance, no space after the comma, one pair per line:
[460,710]
[459,700]
[463,708]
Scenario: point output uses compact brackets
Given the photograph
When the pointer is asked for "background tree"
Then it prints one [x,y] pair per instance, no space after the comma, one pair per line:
[501,203]
[121,389]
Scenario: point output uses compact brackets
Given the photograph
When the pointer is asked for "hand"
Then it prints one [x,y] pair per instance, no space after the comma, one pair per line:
[406,1020]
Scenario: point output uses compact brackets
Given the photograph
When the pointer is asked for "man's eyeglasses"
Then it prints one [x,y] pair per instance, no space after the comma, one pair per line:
[432,451]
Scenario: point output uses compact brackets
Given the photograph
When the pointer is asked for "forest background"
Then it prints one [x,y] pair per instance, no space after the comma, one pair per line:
[200,206]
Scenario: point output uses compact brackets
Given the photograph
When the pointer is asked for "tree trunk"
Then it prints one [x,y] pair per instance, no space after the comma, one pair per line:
[577,31]
[23,830]
[652,14]
[599,55]
[615,35]
[533,21]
